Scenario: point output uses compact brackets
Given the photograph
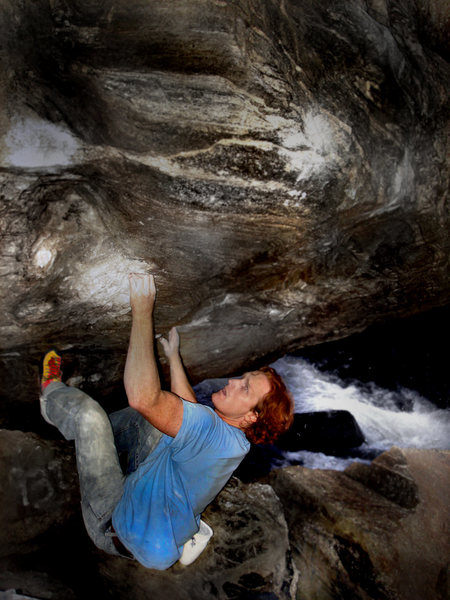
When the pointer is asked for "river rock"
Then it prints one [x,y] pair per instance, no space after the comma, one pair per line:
[371,532]
[322,431]
[333,432]
[280,167]
[45,551]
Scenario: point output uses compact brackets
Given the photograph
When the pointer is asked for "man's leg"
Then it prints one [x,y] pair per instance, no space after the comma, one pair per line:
[134,436]
[80,418]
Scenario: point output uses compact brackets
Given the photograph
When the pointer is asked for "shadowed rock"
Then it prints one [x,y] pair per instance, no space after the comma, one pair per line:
[378,531]
[371,532]
[280,167]
[39,490]
[45,552]
[322,431]
[248,556]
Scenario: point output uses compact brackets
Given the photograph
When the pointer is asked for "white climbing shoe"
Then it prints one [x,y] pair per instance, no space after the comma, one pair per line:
[195,546]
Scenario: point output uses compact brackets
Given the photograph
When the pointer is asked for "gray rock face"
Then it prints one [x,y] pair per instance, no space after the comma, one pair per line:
[38,492]
[280,167]
[378,531]
[373,532]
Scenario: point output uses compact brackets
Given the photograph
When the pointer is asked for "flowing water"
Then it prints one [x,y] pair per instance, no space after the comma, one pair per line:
[387,418]
[401,418]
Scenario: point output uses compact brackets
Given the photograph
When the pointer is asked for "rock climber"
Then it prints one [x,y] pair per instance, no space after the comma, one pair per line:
[179,453]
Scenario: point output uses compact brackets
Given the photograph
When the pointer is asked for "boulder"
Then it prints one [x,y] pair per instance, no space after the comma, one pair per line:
[371,532]
[280,167]
[247,558]
[45,551]
[389,476]
[322,431]
[332,432]
[39,491]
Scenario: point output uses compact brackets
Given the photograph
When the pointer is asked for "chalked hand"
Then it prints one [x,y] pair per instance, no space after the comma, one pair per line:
[171,345]
[142,292]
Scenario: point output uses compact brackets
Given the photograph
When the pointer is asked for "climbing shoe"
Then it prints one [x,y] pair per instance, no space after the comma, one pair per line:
[195,546]
[51,369]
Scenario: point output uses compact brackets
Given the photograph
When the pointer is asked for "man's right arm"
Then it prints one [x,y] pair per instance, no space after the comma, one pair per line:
[162,409]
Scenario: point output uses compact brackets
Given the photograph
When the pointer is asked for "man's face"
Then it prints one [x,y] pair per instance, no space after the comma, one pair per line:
[239,398]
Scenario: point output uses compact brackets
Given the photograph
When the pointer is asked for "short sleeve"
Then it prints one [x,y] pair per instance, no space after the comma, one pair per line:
[198,429]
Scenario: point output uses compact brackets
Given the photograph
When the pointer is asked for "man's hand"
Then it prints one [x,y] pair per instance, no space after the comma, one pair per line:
[163,410]
[172,345]
[142,292]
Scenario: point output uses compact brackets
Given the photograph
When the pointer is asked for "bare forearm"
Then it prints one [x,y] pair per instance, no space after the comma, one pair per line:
[162,409]
[141,377]
[179,383]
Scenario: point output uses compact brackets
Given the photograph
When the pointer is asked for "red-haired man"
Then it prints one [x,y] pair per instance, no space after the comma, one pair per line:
[180,453]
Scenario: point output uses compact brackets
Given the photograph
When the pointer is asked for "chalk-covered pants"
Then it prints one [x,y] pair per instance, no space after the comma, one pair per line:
[99,440]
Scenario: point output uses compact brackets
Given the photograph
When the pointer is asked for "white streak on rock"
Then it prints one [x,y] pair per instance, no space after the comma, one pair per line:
[33,142]
[43,257]
[104,280]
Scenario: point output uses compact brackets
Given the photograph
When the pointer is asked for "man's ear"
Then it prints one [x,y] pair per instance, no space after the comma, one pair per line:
[250,418]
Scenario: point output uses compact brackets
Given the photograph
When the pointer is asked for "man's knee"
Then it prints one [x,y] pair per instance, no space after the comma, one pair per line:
[92,416]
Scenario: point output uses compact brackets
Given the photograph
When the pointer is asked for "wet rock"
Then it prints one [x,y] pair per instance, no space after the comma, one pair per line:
[281,168]
[334,432]
[322,431]
[371,532]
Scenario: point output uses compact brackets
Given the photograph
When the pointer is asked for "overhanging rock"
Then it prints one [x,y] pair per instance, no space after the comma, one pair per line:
[280,167]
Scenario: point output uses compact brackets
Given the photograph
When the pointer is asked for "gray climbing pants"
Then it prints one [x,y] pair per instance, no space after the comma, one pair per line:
[99,440]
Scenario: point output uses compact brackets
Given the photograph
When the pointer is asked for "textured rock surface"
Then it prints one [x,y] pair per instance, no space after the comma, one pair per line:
[378,531]
[248,557]
[280,167]
[40,540]
[40,520]
[39,489]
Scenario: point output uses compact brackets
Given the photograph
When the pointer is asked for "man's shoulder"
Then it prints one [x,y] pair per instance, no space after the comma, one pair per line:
[201,424]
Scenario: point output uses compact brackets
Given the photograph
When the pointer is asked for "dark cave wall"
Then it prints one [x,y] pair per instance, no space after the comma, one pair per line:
[280,166]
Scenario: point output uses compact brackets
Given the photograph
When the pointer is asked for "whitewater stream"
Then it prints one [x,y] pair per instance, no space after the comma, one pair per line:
[402,418]
[387,418]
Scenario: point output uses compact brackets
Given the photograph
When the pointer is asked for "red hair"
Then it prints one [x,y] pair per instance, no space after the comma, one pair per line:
[275,411]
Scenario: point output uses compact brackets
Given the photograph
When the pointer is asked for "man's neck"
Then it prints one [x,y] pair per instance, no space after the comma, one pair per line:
[233,422]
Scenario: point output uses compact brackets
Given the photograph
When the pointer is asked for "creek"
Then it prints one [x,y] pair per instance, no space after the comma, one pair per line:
[392,378]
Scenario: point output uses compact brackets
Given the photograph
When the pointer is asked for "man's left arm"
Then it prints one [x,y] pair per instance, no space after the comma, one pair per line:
[179,383]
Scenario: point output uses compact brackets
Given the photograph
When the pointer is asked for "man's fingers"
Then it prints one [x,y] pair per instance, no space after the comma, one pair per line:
[142,284]
[152,286]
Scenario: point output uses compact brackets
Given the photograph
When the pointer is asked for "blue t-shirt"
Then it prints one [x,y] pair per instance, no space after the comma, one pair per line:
[163,499]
